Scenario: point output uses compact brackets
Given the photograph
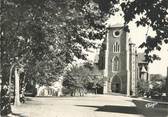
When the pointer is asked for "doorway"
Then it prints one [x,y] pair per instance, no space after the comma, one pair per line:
[116,84]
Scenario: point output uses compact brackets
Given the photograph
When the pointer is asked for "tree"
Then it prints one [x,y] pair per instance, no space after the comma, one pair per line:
[158,84]
[81,78]
[152,13]
[33,31]
[75,79]
[142,87]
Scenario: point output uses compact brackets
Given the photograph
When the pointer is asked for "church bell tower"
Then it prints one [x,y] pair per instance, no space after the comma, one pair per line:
[117,61]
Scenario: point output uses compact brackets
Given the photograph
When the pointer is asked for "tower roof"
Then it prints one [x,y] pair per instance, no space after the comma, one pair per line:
[143,69]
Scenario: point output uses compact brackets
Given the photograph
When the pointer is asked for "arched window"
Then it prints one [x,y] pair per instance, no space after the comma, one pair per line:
[115,64]
[116,47]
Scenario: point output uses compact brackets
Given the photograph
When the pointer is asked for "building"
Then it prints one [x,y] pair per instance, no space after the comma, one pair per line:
[54,90]
[120,63]
[35,89]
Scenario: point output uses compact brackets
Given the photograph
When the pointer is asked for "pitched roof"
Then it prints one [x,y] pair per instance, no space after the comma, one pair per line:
[115,25]
[143,70]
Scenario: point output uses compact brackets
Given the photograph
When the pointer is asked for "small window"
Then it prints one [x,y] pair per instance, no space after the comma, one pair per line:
[115,64]
[116,47]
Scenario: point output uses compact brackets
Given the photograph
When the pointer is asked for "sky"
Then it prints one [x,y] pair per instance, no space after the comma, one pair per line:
[138,35]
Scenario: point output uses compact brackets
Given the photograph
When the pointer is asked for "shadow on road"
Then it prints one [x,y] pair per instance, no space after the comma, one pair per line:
[151,109]
[16,115]
[114,108]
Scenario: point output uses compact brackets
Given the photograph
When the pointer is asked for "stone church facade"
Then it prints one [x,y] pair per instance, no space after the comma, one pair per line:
[121,64]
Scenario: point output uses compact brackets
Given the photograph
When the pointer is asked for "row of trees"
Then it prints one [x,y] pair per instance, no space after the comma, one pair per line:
[41,37]
[81,80]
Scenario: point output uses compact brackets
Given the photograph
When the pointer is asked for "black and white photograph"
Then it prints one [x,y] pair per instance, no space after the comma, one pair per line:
[84,58]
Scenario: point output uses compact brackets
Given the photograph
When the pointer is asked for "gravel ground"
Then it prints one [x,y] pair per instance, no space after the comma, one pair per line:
[88,106]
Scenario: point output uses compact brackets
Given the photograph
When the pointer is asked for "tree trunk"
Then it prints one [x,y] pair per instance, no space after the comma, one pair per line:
[10,81]
[5,107]
[17,93]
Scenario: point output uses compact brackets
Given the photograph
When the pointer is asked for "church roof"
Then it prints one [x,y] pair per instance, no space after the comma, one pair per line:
[115,25]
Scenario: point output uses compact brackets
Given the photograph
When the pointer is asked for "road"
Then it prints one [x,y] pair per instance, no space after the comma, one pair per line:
[88,106]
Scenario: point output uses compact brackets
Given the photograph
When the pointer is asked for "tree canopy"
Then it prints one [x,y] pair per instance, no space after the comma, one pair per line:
[83,78]
[152,13]
[40,29]
[40,34]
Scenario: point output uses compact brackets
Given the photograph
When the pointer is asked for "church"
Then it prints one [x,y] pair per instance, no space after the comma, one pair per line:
[119,62]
